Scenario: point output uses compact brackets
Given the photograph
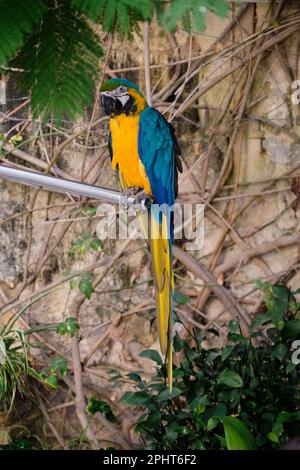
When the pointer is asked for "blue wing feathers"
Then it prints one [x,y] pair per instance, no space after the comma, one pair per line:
[156,151]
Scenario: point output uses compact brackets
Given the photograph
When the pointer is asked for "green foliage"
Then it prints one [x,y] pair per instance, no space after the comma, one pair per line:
[2,142]
[60,62]
[86,243]
[152,354]
[278,300]
[68,327]
[122,16]
[13,366]
[17,19]
[100,406]
[54,43]
[230,378]
[191,13]
[237,435]
[86,284]
[49,379]
[58,366]
[244,395]
[17,444]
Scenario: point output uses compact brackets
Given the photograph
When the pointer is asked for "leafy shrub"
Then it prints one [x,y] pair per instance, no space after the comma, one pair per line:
[244,395]
[13,365]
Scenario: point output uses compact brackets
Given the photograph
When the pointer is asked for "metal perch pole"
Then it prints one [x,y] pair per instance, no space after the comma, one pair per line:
[61,185]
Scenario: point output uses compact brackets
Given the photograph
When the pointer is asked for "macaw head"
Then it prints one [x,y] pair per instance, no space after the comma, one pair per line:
[120,96]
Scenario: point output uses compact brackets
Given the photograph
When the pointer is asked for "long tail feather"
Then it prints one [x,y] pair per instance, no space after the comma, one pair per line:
[161,253]
[159,235]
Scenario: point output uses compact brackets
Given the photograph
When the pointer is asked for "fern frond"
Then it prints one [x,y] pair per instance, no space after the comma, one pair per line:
[91,8]
[120,16]
[60,59]
[17,18]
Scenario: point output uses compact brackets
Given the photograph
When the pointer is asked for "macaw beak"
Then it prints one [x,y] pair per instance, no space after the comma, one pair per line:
[116,104]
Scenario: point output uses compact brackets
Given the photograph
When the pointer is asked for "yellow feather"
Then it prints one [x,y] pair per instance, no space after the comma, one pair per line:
[124,132]
[164,284]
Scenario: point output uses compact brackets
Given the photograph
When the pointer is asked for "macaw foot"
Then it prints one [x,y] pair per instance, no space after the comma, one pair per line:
[141,198]
[133,191]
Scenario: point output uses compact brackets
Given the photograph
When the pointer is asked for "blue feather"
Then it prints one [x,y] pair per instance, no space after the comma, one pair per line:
[156,151]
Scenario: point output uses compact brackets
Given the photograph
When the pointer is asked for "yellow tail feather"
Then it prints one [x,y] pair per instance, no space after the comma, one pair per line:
[164,284]
[163,279]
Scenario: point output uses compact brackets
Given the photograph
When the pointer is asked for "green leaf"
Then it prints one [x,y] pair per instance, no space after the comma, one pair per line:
[178,343]
[291,329]
[73,284]
[100,406]
[277,301]
[234,326]
[199,403]
[290,367]
[134,376]
[230,378]
[96,244]
[218,410]
[259,320]
[60,62]
[69,326]
[237,338]
[120,16]
[166,395]
[17,19]
[226,352]
[284,417]
[273,437]
[152,354]
[152,419]
[212,422]
[279,351]
[180,298]
[173,430]
[59,364]
[237,435]
[91,211]
[86,284]
[90,7]
[276,23]
[135,398]
[51,380]
[278,428]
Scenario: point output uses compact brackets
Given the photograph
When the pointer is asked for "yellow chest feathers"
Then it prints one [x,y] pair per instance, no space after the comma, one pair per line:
[124,132]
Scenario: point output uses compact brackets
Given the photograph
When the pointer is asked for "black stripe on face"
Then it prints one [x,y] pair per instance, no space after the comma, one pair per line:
[108,104]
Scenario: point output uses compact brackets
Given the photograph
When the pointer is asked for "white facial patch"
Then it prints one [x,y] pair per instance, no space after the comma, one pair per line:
[123,99]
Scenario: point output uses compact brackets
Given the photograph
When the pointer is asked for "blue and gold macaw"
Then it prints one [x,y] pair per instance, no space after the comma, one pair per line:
[145,152]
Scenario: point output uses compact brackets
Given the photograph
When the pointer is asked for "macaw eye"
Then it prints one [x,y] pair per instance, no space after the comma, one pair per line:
[122,89]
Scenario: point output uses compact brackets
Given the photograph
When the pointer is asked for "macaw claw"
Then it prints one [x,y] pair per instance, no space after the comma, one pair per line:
[142,200]
[132,191]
